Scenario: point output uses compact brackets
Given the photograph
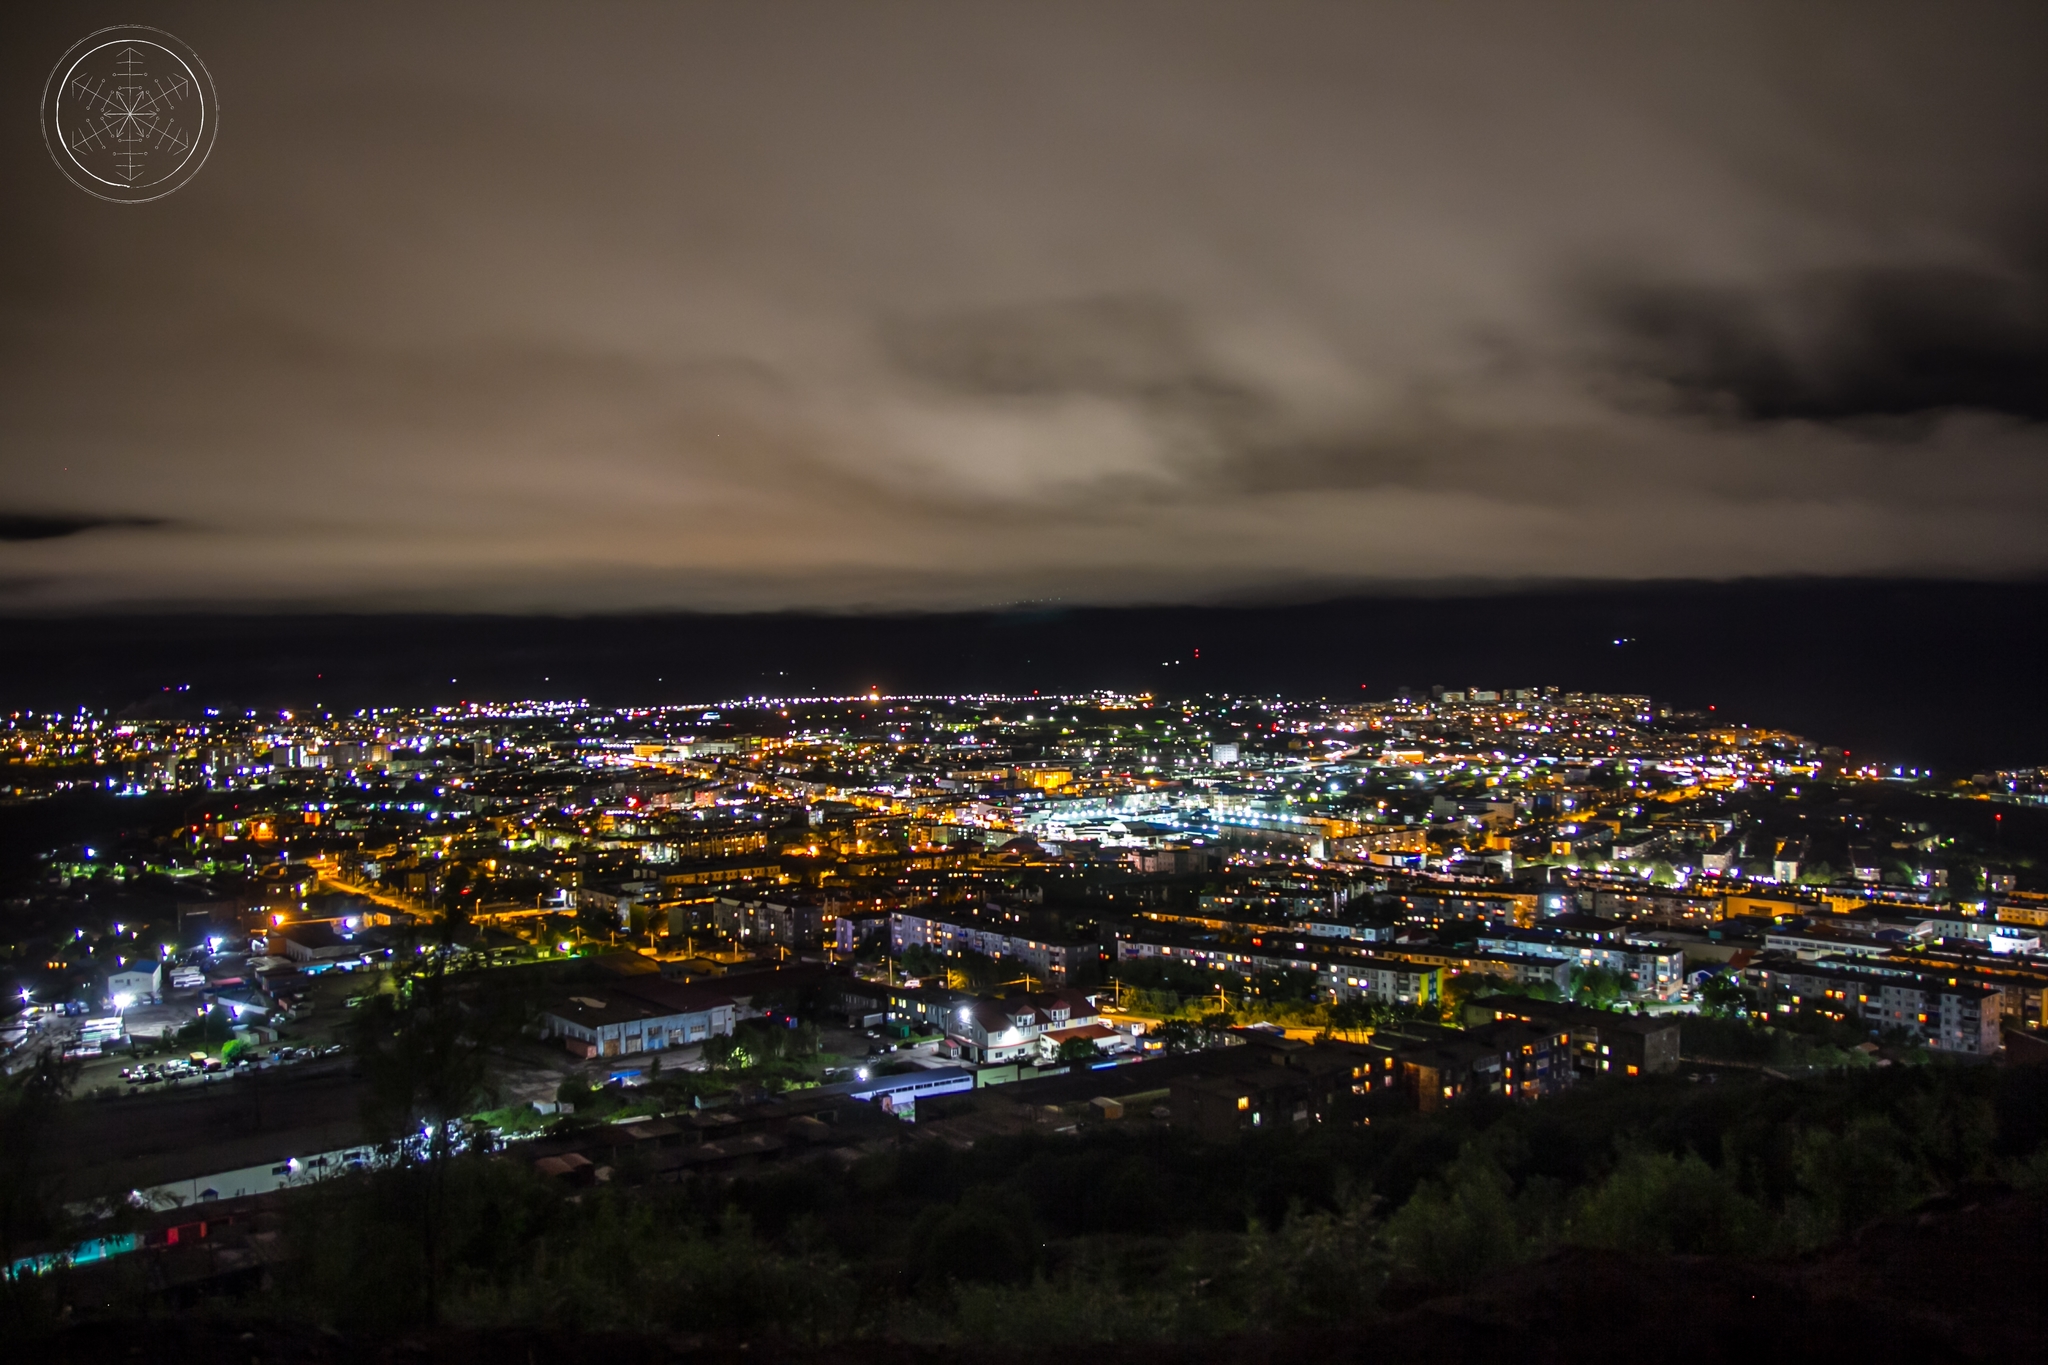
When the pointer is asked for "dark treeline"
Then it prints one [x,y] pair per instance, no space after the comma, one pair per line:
[1124,1235]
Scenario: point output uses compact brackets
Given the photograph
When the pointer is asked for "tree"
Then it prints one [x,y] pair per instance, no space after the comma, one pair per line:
[920,961]
[1077,1052]
[1349,1018]
[1284,987]
[1724,995]
[29,1208]
[1182,1036]
[1596,986]
[421,1052]
[1457,991]
[974,971]
[725,1052]
[1164,975]
[217,1025]
[456,886]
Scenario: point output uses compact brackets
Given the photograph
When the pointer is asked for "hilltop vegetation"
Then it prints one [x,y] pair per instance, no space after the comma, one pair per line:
[1136,1234]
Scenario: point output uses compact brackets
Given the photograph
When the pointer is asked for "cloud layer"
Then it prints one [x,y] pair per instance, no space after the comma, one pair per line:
[736,307]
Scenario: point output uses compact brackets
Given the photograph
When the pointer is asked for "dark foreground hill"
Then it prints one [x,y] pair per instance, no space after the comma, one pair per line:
[1958,1279]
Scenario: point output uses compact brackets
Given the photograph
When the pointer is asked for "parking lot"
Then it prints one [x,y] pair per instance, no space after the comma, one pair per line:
[197,1067]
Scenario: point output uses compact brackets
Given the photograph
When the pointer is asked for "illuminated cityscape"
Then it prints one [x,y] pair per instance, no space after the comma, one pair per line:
[841,924]
[1398,852]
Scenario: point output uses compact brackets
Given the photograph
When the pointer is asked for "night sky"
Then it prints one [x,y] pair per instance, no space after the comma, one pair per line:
[741,307]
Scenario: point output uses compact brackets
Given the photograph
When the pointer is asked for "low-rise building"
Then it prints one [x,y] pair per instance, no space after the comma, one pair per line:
[640,1015]
[311,941]
[138,985]
[1104,1039]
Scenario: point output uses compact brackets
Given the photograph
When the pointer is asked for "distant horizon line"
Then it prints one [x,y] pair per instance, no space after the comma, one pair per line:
[1305,594]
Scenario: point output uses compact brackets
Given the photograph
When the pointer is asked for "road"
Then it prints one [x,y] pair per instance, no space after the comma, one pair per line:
[377,895]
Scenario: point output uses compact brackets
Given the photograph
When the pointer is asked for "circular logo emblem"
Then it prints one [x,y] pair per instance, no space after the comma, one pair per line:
[129,114]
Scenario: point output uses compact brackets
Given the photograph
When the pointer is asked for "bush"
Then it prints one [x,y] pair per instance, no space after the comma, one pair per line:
[1320,1267]
[985,1239]
[1657,1202]
[1455,1230]
[1867,1170]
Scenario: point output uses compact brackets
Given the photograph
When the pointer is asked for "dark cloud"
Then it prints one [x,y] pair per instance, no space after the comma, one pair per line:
[1136,347]
[1143,353]
[24,526]
[1842,346]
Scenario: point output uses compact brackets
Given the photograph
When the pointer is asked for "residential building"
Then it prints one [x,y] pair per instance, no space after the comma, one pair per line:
[1052,961]
[1948,1013]
[997,1031]
[1601,1042]
[783,921]
[1343,968]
